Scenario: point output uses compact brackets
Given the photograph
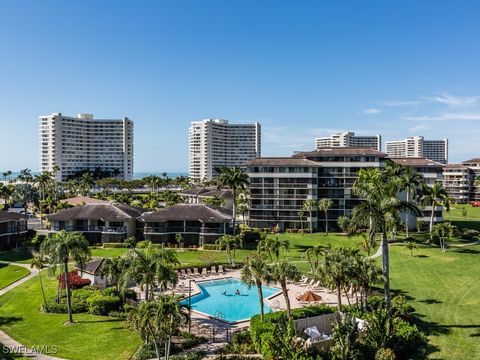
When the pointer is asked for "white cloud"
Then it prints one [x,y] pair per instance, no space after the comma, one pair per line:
[398,103]
[419,128]
[452,100]
[371,111]
[446,117]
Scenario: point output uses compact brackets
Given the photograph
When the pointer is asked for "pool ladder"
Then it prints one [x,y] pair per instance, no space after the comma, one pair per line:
[219,315]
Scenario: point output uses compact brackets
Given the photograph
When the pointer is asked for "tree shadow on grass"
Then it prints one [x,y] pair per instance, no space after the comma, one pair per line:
[397,292]
[431,301]
[4,320]
[421,256]
[304,248]
[466,251]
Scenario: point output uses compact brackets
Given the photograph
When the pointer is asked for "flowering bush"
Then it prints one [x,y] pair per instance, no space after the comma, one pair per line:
[76,282]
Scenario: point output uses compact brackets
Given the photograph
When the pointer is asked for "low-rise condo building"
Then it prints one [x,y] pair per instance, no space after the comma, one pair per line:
[457,180]
[13,227]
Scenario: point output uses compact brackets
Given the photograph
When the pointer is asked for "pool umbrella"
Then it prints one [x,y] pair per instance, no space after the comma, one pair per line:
[309,296]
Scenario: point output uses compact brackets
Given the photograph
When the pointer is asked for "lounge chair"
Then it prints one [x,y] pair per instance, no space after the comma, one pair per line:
[195,272]
[189,272]
[213,270]
[183,273]
[204,271]
[220,269]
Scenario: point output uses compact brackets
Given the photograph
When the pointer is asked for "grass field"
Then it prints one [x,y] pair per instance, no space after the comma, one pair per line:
[11,273]
[456,216]
[92,337]
[21,255]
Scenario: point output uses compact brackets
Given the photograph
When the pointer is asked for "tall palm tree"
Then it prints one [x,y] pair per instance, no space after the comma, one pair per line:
[310,205]
[324,205]
[86,183]
[62,247]
[282,272]
[230,243]
[6,175]
[272,246]
[157,321]
[433,196]
[335,270]
[367,273]
[43,181]
[237,181]
[380,205]
[25,176]
[314,254]
[149,266]
[113,270]
[410,181]
[255,272]
[300,214]
[37,262]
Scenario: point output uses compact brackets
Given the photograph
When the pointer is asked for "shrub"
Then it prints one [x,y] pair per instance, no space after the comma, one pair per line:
[191,340]
[145,352]
[61,308]
[251,236]
[118,314]
[385,354]
[101,304]
[469,234]
[80,296]
[408,342]
[76,282]
[210,247]
[113,245]
[241,343]
[130,294]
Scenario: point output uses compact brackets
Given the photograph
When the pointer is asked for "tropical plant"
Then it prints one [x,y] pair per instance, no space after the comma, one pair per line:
[411,246]
[444,231]
[314,255]
[342,222]
[38,262]
[24,193]
[255,272]
[6,175]
[410,182]
[236,180]
[381,205]
[365,273]
[272,246]
[149,266]
[324,205]
[345,333]
[433,196]
[179,240]
[282,272]
[310,205]
[59,249]
[366,242]
[300,214]
[157,321]
[230,243]
[113,269]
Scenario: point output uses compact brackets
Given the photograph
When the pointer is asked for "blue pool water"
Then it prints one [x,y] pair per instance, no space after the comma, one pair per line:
[230,307]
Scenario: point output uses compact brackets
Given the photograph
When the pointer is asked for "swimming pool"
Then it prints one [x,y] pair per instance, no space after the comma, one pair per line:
[230,307]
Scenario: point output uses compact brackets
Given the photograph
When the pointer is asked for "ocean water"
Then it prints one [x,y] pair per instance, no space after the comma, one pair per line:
[136,175]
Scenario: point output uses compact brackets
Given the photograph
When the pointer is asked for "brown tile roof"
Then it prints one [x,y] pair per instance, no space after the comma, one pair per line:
[189,212]
[472,161]
[280,161]
[341,151]
[416,161]
[11,216]
[108,212]
[455,166]
[210,191]
[83,200]
[93,267]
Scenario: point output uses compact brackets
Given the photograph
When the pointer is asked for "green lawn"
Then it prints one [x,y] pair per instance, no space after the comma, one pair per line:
[445,291]
[11,273]
[92,337]
[21,255]
[471,220]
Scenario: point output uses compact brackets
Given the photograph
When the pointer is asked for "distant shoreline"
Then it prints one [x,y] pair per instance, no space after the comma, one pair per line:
[136,175]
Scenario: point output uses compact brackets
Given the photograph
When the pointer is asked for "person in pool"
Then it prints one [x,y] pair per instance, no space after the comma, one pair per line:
[237,292]
[225,292]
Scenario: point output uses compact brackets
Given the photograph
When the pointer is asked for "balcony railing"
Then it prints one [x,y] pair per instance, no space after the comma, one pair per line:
[13,229]
[101,229]
[181,229]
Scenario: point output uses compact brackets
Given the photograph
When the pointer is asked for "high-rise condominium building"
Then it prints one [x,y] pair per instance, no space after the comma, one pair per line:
[77,143]
[417,146]
[349,139]
[214,143]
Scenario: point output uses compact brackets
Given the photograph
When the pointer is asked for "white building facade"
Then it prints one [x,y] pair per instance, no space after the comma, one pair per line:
[214,143]
[74,144]
[349,139]
[417,147]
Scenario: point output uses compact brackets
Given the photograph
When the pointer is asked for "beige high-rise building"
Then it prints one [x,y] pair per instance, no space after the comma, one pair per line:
[417,146]
[214,143]
[349,139]
[74,144]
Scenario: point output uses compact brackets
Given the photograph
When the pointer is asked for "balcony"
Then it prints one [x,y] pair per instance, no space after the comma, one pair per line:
[99,229]
[13,229]
[181,229]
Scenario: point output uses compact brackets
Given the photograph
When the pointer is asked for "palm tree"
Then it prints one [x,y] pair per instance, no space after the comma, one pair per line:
[86,183]
[366,243]
[237,181]
[433,196]
[411,246]
[335,270]
[157,321]
[379,207]
[314,255]
[37,262]
[324,205]
[149,266]
[113,269]
[272,246]
[6,175]
[25,176]
[282,272]
[62,247]
[254,272]
[310,205]
[410,181]
[43,181]
[300,214]
[230,243]
[367,273]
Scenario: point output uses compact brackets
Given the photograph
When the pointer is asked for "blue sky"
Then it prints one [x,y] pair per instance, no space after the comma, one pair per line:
[302,68]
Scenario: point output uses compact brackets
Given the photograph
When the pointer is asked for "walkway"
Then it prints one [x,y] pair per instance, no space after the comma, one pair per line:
[6,340]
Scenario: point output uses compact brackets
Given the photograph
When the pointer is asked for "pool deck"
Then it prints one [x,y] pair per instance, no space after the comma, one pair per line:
[275,302]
